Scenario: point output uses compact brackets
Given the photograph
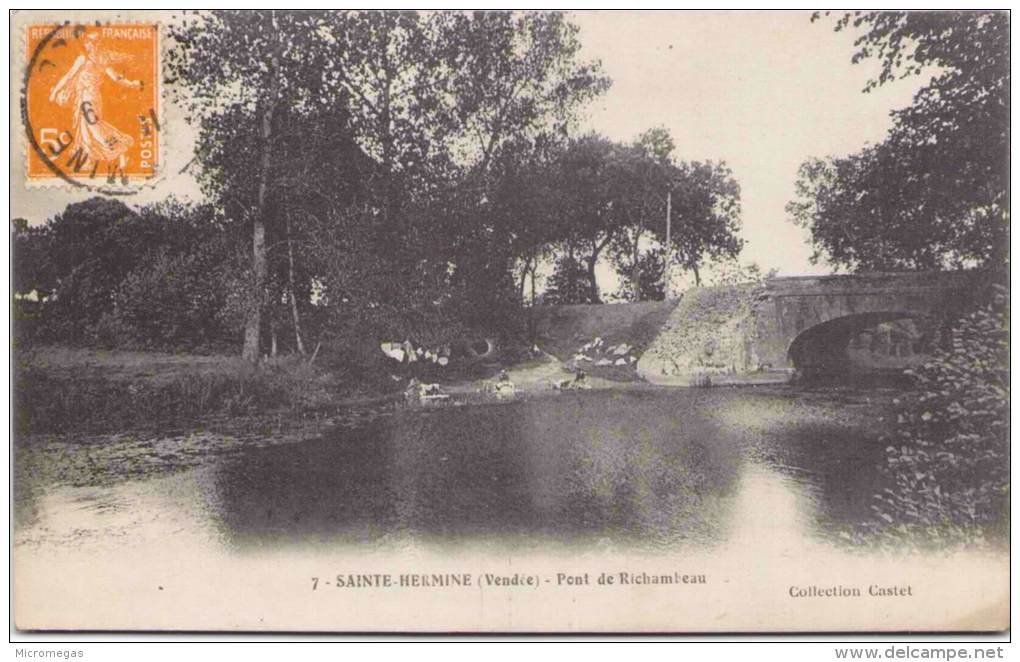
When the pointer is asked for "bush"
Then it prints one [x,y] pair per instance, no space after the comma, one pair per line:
[948,455]
[102,274]
[568,284]
[174,300]
[112,332]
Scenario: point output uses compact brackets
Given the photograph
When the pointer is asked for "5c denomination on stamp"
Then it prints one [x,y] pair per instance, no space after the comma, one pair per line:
[90,105]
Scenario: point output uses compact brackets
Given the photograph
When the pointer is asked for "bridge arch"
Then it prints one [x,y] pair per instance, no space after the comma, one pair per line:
[825,348]
[807,322]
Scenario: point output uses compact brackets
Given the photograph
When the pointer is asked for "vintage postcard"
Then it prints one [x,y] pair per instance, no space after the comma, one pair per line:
[510,321]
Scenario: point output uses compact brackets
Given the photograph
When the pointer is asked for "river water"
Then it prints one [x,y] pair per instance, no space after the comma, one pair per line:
[653,474]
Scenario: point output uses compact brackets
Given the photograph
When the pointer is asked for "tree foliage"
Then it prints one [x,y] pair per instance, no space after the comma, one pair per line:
[30,265]
[517,79]
[586,180]
[613,202]
[81,255]
[706,215]
[376,148]
[650,283]
[376,176]
[176,298]
[104,273]
[948,453]
[935,193]
[568,282]
[257,82]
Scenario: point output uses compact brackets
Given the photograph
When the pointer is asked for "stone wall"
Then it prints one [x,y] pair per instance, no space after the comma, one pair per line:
[706,339]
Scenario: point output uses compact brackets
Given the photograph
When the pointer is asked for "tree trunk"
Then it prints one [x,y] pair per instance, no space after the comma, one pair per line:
[390,205]
[292,295]
[534,274]
[254,320]
[593,286]
[534,300]
[593,260]
[635,267]
[571,272]
[260,263]
[524,277]
[697,276]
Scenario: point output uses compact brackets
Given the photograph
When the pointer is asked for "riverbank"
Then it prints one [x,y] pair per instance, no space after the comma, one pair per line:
[130,418]
[84,416]
[86,391]
[90,392]
[62,390]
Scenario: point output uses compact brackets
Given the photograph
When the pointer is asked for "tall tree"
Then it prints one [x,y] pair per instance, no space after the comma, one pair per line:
[451,105]
[255,82]
[935,193]
[705,215]
[643,175]
[422,116]
[587,204]
[517,78]
[392,70]
[613,202]
[523,209]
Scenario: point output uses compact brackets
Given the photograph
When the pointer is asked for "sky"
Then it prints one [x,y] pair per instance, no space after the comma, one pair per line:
[762,91]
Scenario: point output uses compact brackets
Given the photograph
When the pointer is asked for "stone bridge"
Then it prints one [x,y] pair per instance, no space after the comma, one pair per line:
[738,334]
[805,323]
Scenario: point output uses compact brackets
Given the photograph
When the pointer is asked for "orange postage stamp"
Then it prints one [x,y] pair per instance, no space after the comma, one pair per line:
[90,105]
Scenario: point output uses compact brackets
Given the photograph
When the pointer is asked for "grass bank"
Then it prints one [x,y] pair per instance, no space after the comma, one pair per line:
[61,389]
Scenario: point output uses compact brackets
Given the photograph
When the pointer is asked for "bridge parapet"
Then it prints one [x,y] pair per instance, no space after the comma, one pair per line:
[868,283]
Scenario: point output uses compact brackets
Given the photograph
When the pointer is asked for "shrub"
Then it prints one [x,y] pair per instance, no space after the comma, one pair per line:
[568,284]
[112,332]
[948,454]
[174,300]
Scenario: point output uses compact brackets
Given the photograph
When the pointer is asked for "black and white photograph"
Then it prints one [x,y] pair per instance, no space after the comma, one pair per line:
[510,321]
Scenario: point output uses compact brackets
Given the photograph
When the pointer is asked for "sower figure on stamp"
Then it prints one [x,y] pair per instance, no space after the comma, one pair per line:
[81,87]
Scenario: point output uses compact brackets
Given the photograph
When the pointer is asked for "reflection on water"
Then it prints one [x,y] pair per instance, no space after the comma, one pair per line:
[772,514]
[748,487]
[575,469]
[650,470]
